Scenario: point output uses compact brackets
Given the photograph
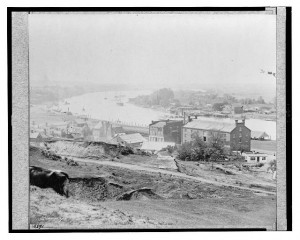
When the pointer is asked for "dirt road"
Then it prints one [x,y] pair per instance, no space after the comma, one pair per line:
[162,171]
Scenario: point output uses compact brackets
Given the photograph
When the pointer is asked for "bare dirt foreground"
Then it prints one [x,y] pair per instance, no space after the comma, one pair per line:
[113,196]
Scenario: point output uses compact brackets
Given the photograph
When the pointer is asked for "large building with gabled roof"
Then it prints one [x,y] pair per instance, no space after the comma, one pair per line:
[234,135]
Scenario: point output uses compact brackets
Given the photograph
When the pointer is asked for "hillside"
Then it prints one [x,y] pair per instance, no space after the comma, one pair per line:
[108,196]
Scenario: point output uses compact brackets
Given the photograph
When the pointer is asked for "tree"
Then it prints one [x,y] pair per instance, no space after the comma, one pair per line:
[162,97]
[260,100]
[198,150]
[218,106]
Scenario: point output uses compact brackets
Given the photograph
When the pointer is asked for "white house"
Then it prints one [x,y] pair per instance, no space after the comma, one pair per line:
[256,157]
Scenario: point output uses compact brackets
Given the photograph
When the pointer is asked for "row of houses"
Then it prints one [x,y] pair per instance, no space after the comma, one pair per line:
[236,135]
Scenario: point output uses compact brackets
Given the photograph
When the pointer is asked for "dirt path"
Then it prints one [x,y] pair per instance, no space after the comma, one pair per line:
[162,171]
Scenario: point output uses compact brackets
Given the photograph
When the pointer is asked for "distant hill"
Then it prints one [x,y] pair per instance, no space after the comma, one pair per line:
[54,91]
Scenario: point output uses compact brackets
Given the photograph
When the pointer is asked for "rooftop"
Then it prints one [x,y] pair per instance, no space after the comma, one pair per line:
[209,125]
[254,154]
[35,135]
[158,124]
[132,138]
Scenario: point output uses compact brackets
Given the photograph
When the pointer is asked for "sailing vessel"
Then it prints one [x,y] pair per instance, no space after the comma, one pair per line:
[119,100]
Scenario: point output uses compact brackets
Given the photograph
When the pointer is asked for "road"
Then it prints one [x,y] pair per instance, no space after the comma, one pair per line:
[163,171]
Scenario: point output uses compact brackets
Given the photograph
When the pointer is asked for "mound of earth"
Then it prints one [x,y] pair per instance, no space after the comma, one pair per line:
[95,150]
[93,189]
[50,210]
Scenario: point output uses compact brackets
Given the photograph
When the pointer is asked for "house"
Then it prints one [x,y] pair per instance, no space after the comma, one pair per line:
[36,137]
[227,109]
[102,131]
[256,157]
[236,135]
[55,133]
[156,146]
[259,135]
[117,130]
[134,140]
[78,127]
[238,109]
[165,131]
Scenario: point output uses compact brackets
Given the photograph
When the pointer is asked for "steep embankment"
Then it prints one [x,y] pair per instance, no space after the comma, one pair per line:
[83,149]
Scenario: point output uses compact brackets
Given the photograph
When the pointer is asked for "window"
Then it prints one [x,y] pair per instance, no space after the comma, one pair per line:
[204,139]
[240,140]
[263,158]
[252,158]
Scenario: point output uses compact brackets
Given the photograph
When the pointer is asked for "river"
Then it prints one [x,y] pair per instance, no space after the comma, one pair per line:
[103,106]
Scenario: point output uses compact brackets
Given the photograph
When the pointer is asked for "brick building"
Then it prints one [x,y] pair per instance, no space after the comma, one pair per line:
[165,131]
[234,135]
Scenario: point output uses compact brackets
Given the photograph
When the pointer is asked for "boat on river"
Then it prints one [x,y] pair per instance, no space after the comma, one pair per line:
[120,103]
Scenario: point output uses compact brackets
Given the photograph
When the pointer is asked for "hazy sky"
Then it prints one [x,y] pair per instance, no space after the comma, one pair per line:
[167,49]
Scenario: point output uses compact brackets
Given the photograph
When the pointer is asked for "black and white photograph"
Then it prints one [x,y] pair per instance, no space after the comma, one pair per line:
[153,120]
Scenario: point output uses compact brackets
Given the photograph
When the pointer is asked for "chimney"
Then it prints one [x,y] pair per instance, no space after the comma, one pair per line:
[189,119]
[236,122]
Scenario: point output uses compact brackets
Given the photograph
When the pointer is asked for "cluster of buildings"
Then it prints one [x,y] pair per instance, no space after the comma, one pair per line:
[228,110]
[163,133]
[236,136]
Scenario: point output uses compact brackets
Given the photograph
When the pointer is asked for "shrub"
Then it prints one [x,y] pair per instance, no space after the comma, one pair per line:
[169,149]
[198,150]
[126,150]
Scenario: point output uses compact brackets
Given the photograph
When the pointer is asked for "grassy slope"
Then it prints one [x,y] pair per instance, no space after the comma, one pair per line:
[54,211]
[215,206]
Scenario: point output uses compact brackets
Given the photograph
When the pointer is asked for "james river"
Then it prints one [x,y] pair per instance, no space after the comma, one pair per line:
[103,106]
